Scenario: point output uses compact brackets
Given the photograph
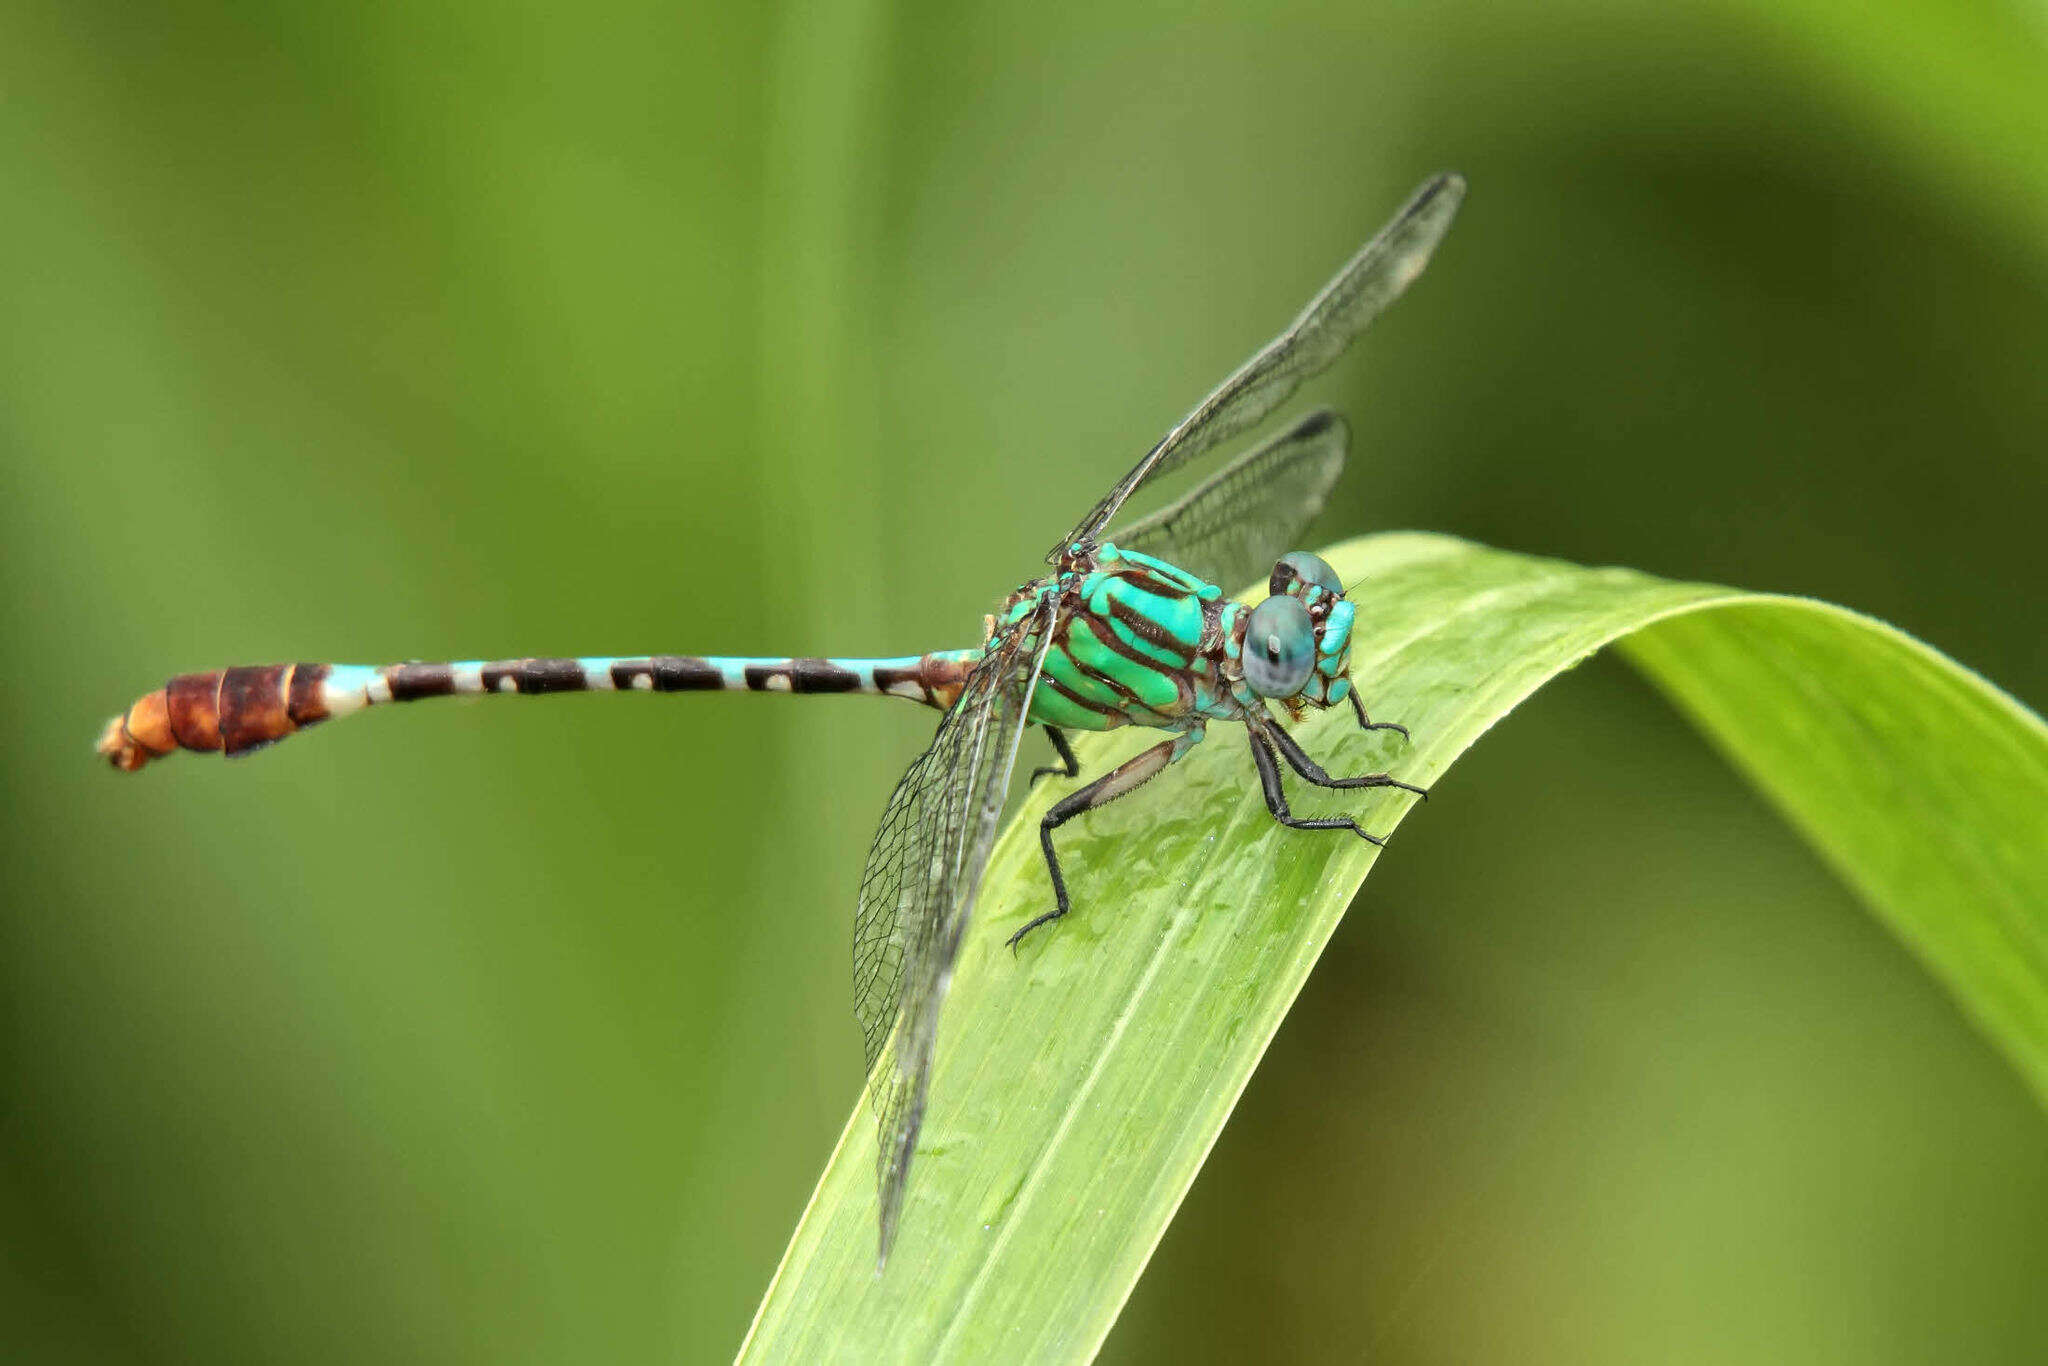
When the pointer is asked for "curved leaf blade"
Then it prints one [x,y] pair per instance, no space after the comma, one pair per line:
[1947,843]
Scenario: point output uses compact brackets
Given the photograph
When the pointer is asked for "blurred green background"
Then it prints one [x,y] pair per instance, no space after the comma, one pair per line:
[520,1032]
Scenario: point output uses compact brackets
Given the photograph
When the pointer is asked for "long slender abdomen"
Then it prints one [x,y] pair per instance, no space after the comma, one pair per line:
[242,709]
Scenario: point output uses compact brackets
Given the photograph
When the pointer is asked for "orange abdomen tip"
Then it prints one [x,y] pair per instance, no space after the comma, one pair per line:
[140,734]
[232,709]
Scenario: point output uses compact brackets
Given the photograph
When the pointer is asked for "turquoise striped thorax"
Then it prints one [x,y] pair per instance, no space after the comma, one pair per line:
[1138,641]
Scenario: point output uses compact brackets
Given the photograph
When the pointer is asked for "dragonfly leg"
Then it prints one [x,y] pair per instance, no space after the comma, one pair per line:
[1299,760]
[1366,722]
[1261,734]
[1126,776]
[1067,767]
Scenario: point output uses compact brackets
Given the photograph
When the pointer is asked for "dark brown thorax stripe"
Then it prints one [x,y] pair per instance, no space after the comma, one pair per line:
[1048,681]
[1145,629]
[1108,640]
[1138,576]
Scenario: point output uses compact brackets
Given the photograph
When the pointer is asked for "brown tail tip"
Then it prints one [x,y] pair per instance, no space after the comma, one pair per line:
[236,710]
[140,734]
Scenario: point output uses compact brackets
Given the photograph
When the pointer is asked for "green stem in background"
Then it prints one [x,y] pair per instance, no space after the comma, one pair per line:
[1082,1082]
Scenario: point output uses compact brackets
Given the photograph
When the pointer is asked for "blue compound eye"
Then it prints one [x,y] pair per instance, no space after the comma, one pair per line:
[1279,647]
[1299,564]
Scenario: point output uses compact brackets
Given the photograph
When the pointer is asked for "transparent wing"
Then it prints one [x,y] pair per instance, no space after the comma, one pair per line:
[917,891]
[1347,305]
[1233,528]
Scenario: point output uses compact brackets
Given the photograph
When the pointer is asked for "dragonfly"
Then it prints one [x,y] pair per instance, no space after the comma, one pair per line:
[1130,627]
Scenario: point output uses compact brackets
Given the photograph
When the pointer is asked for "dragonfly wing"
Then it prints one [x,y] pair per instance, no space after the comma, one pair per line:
[918,889]
[1252,511]
[1346,306]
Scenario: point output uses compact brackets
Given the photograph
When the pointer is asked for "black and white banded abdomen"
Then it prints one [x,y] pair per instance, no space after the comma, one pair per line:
[245,708]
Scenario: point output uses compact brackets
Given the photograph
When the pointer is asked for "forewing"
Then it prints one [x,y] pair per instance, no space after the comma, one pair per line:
[917,891]
[1253,511]
[1346,306]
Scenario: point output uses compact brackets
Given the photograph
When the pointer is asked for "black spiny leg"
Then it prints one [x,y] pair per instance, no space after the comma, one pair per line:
[1298,759]
[1068,766]
[1366,722]
[1276,797]
[1111,785]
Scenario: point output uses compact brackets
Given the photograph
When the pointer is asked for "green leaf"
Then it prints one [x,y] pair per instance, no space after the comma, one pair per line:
[1082,1081]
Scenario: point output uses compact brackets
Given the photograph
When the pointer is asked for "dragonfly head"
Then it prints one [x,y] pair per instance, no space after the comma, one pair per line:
[1297,643]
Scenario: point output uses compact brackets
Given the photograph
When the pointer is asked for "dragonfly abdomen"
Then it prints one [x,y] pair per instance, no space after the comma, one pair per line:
[241,709]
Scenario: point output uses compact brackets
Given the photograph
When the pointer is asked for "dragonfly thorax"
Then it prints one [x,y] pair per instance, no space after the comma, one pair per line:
[1138,641]
[1135,641]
